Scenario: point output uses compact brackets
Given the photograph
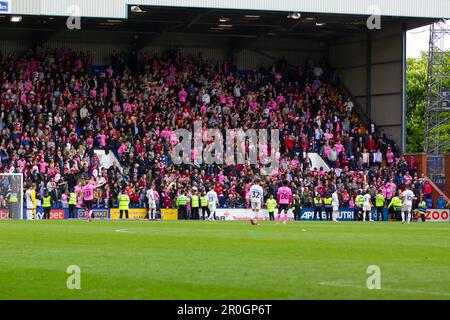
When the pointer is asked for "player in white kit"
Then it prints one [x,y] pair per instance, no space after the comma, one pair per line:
[407,197]
[256,198]
[367,207]
[335,205]
[30,196]
[151,203]
[213,201]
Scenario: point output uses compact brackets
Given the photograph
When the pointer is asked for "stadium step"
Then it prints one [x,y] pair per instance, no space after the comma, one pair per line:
[317,161]
[107,160]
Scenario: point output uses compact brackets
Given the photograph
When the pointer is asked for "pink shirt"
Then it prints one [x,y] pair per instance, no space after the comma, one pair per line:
[390,157]
[43,166]
[90,141]
[88,191]
[102,139]
[284,195]
[182,95]
[390,189]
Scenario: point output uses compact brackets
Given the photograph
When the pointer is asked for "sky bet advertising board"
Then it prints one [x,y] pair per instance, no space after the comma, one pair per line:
[5,6]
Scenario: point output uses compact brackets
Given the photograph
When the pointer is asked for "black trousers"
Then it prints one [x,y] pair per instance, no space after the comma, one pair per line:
[318,210]
[121,213]
[271,217]
[380,213]
[205,210]
[422,216]
[328,212]
[358,214]
[297,215]
[195,213]
[182,212]
[47,213]
[71,211]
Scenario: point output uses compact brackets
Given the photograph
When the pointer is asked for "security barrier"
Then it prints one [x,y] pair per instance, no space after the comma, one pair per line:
[307,214]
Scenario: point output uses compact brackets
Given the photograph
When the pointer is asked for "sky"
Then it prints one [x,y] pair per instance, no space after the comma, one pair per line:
[417,40]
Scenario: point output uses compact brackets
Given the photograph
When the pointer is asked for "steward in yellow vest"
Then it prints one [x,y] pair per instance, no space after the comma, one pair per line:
[204,204]
[46,204]
[359,202]
[124,204]
[195,204]
[328,207]
[271,205]
[72,204]
[318,203]
[422,210]
[182,202]
[379,204]
[396,204]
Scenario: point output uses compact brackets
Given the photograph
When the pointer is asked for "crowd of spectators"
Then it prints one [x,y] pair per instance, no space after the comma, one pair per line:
[55,111]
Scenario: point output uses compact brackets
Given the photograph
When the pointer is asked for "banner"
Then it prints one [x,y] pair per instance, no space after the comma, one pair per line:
[57,214]
[98,213]
[345,214]
[4,214]
[437,215]
[5,6]
[133,214]
[169,214]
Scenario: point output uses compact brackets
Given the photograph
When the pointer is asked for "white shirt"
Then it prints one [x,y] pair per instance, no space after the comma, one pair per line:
[30,204]
[408,197]
[150,195]
[349,106]
[335,200]
[212,197]
[367,199]
[256,193]
[206,98]
[318,71]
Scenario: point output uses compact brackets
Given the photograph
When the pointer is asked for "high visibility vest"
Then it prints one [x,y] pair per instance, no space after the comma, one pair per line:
[182,201]
[423,207]
[396,202]
[203,201]
[327,202]
[317,202]
[73,198]
[359,200]
[46,202]
[13,198]
[271,205]
[194,201]
[124,201]
[379,200]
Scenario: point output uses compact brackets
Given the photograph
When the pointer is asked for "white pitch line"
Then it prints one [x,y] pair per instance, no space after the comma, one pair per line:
[124,231]
[336,284]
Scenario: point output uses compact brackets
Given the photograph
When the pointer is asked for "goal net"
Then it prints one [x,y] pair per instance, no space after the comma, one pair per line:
[11,196]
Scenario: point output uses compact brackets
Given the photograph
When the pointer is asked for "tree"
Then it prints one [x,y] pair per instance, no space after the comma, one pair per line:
[416,102]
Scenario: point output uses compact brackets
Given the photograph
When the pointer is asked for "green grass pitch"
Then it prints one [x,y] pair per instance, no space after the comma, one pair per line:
[223,260]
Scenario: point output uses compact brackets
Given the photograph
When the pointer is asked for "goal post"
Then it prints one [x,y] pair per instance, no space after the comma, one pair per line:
[11,196]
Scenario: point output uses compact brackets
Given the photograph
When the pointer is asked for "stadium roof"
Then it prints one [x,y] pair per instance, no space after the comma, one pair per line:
[119,8]
[219,22]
